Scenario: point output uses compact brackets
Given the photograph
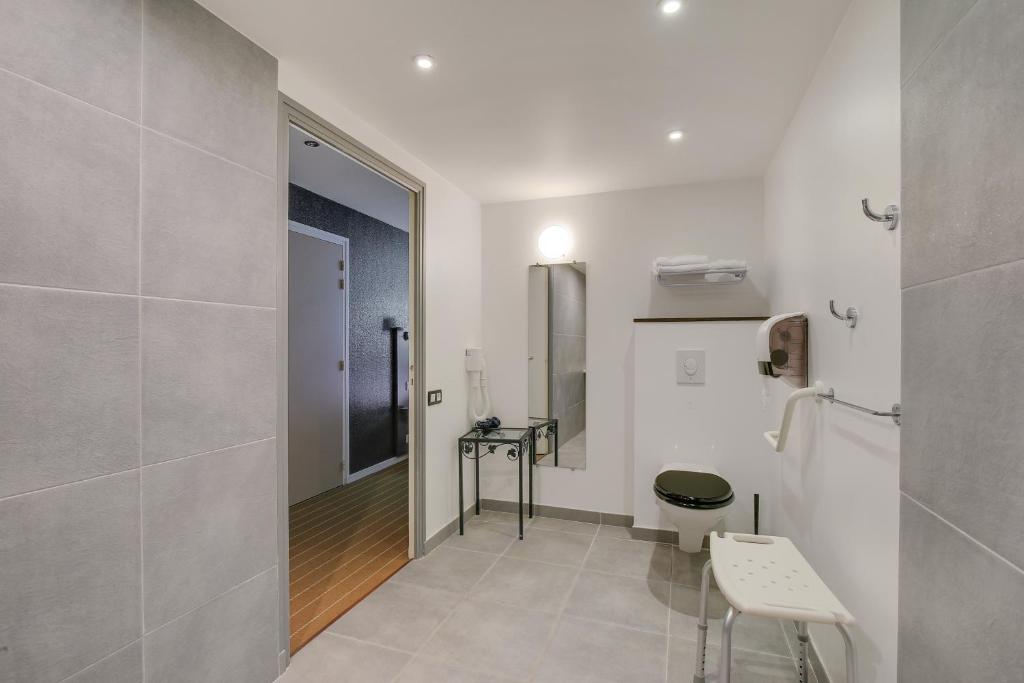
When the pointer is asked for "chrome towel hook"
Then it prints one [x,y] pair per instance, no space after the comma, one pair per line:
[891,217]
[851,313]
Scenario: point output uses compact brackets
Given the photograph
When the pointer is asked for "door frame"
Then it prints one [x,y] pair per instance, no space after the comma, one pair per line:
[290,113]
[318,234]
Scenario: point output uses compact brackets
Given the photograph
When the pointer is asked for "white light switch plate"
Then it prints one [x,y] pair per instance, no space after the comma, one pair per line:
[690,366]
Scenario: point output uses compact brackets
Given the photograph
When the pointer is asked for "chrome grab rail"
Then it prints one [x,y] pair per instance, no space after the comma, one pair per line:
[895,412]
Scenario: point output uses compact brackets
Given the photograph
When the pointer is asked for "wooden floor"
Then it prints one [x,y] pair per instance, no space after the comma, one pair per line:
[342,545]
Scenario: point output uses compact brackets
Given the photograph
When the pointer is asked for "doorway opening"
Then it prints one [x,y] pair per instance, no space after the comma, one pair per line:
[351,331]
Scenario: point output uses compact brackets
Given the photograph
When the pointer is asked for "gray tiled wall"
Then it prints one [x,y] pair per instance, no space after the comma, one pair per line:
[137,345]
[568,349]
[962,463]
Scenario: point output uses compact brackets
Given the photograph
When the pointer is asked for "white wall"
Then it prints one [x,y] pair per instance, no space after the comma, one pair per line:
[839,477]
[452,290]
[714,424]
[617,234]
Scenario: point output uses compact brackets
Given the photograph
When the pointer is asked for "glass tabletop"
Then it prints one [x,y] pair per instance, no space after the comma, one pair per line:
[542,421]
[502,435]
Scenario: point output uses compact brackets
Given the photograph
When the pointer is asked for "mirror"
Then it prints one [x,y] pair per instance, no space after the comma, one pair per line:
[557,363]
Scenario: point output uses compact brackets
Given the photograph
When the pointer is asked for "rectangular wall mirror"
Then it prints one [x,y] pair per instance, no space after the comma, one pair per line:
[557,363]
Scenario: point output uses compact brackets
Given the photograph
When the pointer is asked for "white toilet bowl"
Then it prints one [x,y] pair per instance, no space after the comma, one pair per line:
[695,498]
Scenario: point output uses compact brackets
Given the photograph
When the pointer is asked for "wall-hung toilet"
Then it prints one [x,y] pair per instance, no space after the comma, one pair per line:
[695,498]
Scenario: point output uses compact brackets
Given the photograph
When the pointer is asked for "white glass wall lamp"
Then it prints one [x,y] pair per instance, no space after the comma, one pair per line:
[555,242]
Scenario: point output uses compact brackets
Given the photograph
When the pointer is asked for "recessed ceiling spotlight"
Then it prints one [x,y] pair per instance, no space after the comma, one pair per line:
[424,62]
[675,135]
[311,143]
[670,6]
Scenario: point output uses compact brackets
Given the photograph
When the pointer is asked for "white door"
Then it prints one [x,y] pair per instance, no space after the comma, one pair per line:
[317,372]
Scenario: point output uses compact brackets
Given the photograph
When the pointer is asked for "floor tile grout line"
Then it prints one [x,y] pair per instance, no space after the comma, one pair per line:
[462,598]
[560,613]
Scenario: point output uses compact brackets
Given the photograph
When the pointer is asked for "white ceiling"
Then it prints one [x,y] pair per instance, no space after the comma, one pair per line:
[329,173]
[539,98]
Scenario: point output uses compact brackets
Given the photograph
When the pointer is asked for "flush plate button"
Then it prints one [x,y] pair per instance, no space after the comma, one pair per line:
[690,367]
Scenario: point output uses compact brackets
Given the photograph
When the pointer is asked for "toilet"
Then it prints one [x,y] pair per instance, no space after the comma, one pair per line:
[695,498]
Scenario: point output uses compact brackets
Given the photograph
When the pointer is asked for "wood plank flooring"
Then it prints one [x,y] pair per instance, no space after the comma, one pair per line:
[342,545]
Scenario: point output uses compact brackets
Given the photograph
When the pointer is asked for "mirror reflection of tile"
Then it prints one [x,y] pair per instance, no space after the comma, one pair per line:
[558,334]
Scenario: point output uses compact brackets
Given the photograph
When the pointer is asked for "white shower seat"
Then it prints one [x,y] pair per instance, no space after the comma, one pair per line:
[766,576]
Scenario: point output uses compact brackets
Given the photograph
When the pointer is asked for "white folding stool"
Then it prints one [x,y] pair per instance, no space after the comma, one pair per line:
[766,576]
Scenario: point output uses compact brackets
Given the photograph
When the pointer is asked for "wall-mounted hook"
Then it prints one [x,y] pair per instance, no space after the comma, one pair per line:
[851,314]
[891,217]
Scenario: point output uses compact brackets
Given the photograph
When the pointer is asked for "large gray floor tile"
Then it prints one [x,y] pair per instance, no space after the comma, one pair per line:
[208,523]
[963,138]
[232,639]
[622,600]
[90,49]
[230,110]
[755,634]
[397,615]
[448,569]
[687,568]
[962,431]
[69,407]
[590,651]
[532,585]
[492,637]
[923,24]
[960,605]
[69,562]
[747,667]
[630,558]
[208,377]
[331,658]
[425,670]
[686,609]
[484,537]
[124,666]
[70,191]
[208,227]
[567,526]
[551,546]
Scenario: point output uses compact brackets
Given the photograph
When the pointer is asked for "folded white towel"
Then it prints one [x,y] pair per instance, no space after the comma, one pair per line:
[730,264]
[727,265]
[682,260]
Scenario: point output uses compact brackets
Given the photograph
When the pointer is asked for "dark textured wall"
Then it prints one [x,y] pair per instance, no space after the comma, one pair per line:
[378,281]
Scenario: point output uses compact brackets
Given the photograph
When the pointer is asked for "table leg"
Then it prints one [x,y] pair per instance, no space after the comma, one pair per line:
[462,531]
[533,461]
[477,471]
[520,459]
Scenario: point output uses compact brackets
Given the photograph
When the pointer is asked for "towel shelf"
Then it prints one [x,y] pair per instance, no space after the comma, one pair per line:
[730,276]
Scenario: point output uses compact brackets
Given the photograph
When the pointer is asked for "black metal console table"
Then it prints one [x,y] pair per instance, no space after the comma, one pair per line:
[517,442]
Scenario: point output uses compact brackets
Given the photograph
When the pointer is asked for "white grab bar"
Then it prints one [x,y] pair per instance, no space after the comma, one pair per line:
[778,438]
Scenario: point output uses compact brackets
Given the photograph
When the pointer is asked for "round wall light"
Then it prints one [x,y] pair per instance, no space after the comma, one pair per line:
[670,6]
[424,62]
[675,135]
[555,242]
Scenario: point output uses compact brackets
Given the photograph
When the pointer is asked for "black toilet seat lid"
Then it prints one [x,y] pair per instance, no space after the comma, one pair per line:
[693,489]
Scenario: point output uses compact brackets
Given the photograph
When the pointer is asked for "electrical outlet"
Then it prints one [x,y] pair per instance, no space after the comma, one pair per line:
[433,397]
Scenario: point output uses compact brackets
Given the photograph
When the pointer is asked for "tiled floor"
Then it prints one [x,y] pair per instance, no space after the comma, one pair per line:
[571,602]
